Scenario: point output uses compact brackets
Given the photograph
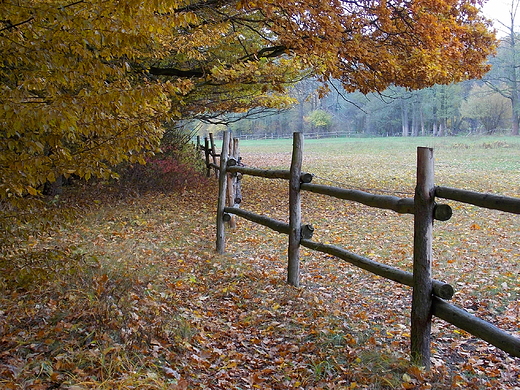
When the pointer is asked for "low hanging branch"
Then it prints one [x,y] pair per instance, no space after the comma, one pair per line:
[266,52]
[176,72]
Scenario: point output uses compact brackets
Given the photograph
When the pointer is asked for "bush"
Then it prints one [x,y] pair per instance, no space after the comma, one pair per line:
[176,168]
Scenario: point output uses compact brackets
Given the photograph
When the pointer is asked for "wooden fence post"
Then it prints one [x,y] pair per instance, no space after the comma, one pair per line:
[222,186]
[422,259]
[206,154]
[213,152]
[231,177]
[234,152]
[295,212]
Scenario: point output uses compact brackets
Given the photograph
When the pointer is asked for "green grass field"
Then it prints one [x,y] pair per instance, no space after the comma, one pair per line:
[481,163]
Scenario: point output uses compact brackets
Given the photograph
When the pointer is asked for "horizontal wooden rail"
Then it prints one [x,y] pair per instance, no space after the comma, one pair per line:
[278,226]
[489,201]
[269,173]
[440,289]
[476,326]
[400,205]
[442,212]
[273,224]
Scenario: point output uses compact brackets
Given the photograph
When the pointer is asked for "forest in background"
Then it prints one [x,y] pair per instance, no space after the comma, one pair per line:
[483,106]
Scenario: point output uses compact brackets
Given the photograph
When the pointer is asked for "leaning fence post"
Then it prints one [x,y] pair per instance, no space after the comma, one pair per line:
[422,259]
[295,214]
[222,186]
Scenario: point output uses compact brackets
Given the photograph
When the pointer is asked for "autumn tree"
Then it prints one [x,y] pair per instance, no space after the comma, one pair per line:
[319,119]
[87,84]
[490,109]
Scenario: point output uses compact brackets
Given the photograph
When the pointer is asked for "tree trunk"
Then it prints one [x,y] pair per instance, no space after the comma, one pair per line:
[301,113]
[516,112]
[415,117]
[404,118]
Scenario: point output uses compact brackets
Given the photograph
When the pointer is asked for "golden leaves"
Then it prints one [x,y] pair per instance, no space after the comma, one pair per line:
[76,96]
[370,45]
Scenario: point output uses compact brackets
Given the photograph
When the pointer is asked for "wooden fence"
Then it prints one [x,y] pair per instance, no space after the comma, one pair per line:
[429,296]
[210,154]
[308,135]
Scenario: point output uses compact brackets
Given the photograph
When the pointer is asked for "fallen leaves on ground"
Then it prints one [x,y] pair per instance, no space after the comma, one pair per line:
[133,295]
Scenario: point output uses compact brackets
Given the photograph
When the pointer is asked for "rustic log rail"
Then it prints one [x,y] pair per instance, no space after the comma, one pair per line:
[428,294]
[269,173]
[489,201]
[476,326]
[399,205]
[441,289]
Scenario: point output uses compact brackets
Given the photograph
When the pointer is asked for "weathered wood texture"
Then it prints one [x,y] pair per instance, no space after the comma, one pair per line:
[441,289]
[295,212]
[476,326]
[269,173]
[231,178]
[422,259]
[213,152]
[271,223]
[489,201]
[222,184]
[237,185]
[207,152]
[400,205]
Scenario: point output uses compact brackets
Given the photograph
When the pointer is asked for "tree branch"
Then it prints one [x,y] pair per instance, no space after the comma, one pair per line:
[10,25]
[176,72]
[266,52]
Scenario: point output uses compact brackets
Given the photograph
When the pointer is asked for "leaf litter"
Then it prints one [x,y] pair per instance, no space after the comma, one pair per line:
[133,295]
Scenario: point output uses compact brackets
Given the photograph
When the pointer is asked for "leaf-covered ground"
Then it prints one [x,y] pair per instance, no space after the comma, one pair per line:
[131,294]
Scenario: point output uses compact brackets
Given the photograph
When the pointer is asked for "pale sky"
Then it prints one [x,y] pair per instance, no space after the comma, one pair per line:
[500,10]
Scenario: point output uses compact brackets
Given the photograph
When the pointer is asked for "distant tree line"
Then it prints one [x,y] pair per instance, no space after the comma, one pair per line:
[485,106]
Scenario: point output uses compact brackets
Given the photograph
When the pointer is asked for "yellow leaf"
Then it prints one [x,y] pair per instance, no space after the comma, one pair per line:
[32,190]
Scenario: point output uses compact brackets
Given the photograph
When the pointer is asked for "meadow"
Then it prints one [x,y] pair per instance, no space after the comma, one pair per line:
[131,294]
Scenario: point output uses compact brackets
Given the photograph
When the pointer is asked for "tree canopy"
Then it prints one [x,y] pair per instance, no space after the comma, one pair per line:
[87,84]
